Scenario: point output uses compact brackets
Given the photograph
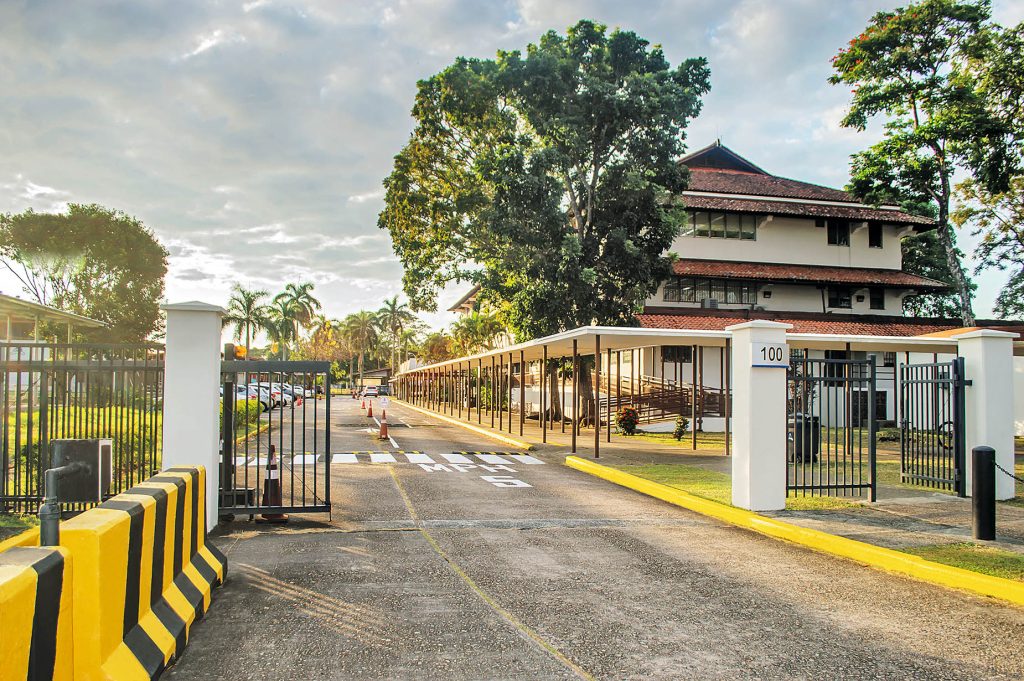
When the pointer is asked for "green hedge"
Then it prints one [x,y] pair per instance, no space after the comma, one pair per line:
[245,411]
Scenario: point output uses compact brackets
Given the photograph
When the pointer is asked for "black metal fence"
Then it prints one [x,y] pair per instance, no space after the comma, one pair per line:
[932,444]
[60,390]
[276,437]
[831,423]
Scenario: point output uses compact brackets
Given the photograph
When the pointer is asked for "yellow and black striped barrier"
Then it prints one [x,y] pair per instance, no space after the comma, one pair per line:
[35,614]
[142,573]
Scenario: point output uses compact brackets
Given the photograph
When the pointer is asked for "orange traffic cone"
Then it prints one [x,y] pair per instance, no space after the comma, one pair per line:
[272,490]
[369,409]
[362,405]
[383,425]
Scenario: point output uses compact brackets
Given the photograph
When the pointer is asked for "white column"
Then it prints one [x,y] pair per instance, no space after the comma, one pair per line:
[191,400]
[988,365]
[759,419]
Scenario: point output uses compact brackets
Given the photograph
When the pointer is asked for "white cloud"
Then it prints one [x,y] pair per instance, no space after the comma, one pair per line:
[367,196]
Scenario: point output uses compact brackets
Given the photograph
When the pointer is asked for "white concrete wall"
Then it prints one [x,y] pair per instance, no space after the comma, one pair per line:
[1018,396]
[797,240]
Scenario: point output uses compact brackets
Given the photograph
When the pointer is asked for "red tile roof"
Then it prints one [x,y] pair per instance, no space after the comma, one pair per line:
[779,272]
[813,210]
[761,184]
[835,324]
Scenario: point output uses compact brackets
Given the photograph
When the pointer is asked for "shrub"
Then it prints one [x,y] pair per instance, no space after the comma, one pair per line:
[888,435]
[627,420]
[682,427]
[246,411]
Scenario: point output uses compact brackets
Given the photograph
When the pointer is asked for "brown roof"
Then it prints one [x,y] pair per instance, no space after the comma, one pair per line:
[838,324]
[724,181]
[779,272]
[814,210]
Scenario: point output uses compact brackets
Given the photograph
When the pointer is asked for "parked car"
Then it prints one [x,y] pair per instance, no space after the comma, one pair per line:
[247,393]
[371,391]
[275,396]
[384,390]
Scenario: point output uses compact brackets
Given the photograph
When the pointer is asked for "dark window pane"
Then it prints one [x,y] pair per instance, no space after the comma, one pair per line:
[718,225]
[839,232]
[701,223]
[839,297]
[878,299]
[875,235]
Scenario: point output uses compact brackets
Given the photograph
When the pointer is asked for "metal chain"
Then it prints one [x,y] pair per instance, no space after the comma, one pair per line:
[1008,473]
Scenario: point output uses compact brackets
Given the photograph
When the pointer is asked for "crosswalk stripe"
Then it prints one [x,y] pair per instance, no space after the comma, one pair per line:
[304,458]
[493,458]
[525,459]
[418,457]
[381,457]
[457,458]
[344,458]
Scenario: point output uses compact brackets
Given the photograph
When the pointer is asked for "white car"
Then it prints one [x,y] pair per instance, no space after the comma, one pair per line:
[371,391]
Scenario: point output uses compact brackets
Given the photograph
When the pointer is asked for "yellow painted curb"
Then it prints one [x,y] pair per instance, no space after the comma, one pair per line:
[468,426]
[29,537]
[861,552]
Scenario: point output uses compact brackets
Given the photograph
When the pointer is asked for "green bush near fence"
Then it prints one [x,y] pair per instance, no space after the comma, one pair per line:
[246,411]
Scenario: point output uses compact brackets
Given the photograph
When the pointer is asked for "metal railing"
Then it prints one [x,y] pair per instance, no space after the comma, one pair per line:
[831,426]
[55,391]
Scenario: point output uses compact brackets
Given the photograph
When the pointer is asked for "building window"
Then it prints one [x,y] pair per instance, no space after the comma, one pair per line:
[877,298]
[839,232]
[839,297]
[720,225]
[874,234]
[680,354]
[836,369]
[888,359]
[697,289]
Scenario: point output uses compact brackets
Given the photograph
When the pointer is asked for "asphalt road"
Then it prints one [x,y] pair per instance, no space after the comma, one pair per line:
[537,571]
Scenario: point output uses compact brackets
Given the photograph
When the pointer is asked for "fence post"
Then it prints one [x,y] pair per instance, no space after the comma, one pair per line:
[191,400]
[759,419]
[988,412]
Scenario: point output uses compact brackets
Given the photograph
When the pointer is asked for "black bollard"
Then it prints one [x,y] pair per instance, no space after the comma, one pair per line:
[983,490]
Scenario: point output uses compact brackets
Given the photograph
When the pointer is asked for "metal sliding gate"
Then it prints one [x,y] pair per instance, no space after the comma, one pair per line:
[276,437]
[830,428]
[932,445]
[51,391]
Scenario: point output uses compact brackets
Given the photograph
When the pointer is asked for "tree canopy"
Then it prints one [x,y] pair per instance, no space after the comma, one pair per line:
[922,68]
[546,177]
[92,261]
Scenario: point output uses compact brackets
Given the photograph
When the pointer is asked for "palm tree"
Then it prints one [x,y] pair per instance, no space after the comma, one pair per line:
[394,318]
[246,312]
[282,325]
[361,329]
[476,331]
[304,305]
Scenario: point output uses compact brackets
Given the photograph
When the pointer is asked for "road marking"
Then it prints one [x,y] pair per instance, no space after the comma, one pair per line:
[403,422]
[418,457]
[381,457]
[511,619]
[526,459]
[504,481]
[393,443]
[304,458]
[492,458]
[457,458]
[344,458]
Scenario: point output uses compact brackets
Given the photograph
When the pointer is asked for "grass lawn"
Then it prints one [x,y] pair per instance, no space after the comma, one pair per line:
[11,525]
[717,486]
[707,441]
[983,559]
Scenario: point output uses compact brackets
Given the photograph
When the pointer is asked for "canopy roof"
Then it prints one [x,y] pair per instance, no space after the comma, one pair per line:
[625,338]
[24,310]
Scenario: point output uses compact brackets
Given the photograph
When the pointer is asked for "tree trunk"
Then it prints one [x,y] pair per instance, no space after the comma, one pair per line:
[554,396]
[587,403]
[952,259]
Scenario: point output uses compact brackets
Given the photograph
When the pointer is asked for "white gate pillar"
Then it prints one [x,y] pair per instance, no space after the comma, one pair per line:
[988,365]
[759,417]
[191,402]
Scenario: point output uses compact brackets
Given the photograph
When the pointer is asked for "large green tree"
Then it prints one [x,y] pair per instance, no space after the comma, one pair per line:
[246,313]
[999,220]
[546,177]
[92,261]
[915,66]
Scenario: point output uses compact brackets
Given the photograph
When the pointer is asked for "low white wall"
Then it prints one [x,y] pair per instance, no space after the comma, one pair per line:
[1018,396]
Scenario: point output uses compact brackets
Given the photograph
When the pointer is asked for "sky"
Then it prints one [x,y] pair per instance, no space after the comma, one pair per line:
[253,137]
